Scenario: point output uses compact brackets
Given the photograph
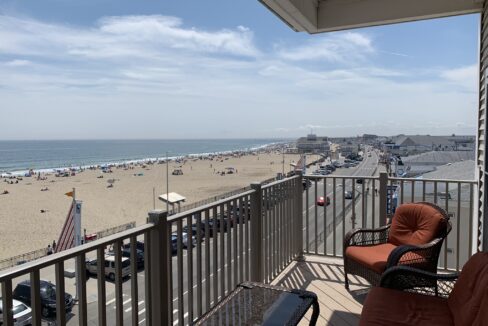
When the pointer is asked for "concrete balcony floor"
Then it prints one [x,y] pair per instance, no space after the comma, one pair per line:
[325,277]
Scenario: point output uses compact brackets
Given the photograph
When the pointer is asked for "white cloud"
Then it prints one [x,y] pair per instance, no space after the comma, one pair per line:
[17,63]
[342,48]
[126,36]
[464,76]
[145,70]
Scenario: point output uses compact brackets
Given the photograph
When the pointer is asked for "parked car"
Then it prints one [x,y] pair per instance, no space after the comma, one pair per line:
[21,313]
[139,256]
[321,201]
[139,245]
[22,292]
[126,253]
[348,195]
[226,224]
[246,212]
[91,267]
[306,184]
[208,224]
[360,181]
[195,230]
[184,240]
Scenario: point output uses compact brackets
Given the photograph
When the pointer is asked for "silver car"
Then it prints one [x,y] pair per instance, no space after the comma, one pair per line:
[21,313]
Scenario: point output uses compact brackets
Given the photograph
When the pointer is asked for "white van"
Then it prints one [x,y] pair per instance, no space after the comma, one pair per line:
[91,267]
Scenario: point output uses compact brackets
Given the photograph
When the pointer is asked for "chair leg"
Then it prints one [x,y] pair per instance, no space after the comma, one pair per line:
[346,282]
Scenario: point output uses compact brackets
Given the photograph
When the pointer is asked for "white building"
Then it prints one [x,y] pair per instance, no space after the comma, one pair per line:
[314,144]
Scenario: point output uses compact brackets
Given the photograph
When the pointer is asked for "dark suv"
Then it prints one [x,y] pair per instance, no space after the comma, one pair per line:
[22,293]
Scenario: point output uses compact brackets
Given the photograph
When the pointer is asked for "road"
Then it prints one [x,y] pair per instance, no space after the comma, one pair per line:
[321,219]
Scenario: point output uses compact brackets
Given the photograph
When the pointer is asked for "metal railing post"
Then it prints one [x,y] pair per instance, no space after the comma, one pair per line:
[383,194]
[158,274]
[256,233]
[299,216]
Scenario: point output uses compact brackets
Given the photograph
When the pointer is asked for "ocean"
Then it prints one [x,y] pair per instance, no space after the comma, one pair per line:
[20,156]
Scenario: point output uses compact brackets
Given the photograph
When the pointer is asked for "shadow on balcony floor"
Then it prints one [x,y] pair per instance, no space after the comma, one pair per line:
[325,277]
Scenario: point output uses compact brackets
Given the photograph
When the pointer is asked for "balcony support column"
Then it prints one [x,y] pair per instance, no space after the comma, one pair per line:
[383,193]
[158,269]
[256,233]
[299,217]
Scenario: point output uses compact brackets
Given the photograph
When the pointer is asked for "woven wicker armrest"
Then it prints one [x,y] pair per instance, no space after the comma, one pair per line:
[418,281]
[366,237]
[421,256]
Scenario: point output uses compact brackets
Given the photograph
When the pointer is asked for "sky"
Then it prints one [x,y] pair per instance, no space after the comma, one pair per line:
[119,69]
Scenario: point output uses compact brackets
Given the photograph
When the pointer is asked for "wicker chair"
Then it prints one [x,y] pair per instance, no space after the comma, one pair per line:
[430,299]
[414,238]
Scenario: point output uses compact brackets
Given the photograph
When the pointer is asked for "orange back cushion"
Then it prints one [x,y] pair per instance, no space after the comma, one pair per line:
[469,297]
[415,224]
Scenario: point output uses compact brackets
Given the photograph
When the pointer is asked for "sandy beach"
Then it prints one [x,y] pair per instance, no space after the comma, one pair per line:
[23,227]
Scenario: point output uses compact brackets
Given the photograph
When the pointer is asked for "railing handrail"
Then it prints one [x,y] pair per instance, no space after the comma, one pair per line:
[279,181]
[198,209]
[33,252]
[221,196]
[433,180]
[51,260]
[311,176]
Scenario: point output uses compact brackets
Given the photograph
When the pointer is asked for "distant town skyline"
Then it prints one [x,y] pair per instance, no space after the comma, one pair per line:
[125,70]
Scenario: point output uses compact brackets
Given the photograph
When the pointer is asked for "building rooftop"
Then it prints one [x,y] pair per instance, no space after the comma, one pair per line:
[438,157]
[313,139]
[464,170]
[426,140]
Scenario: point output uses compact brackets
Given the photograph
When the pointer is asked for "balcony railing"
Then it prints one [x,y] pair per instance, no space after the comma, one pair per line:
[253,235]
[370,201]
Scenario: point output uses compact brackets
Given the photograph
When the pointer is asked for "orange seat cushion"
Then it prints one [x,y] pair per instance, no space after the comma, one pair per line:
[469,299]
[387,307]
[415,224]
[373,257]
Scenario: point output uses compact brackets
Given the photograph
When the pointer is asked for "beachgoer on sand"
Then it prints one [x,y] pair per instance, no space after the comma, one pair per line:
[49,250]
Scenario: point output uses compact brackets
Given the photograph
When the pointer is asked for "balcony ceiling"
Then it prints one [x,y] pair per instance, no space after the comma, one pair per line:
[317,16]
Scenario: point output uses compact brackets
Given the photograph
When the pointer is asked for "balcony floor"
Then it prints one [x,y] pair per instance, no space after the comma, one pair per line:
[325,277]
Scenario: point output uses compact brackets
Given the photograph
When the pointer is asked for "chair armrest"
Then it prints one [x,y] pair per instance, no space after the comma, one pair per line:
[418,281]
[366,237]
[423,256]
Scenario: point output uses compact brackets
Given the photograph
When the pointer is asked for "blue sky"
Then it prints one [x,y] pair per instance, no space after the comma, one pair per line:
[225,69]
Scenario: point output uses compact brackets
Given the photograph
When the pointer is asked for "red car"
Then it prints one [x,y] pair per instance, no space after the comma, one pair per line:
[321,201]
